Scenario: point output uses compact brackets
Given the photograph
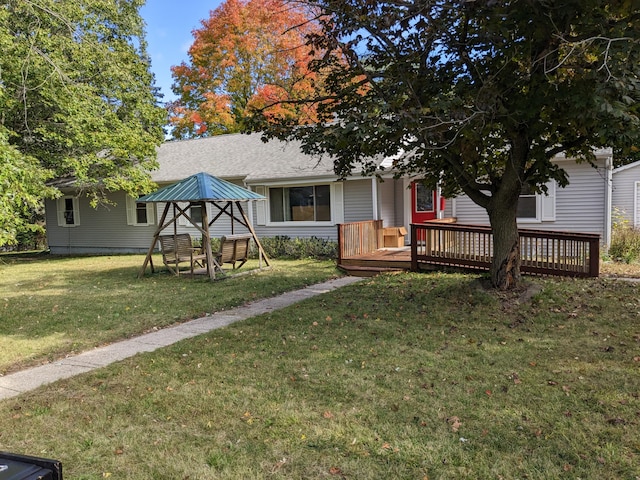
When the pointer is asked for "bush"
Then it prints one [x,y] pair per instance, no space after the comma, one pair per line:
[625,245]
[287,248]
[298,248]
[625,240]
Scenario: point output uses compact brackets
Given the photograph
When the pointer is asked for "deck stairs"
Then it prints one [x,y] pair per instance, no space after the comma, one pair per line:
[383,260]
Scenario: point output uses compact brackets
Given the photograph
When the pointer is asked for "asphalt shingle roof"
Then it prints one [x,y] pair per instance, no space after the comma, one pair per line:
[201,187]
[238,156]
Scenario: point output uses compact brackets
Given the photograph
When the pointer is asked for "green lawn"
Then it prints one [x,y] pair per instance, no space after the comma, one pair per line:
[52,306]
[410,376]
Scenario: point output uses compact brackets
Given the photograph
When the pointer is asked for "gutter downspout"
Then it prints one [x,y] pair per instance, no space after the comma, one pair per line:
[608,193]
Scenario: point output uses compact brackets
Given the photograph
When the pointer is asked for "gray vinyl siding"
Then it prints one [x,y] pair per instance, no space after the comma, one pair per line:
[358,200]
[623,196]
[291,230]
[102,230]
[448,208]
[580,207]
[403,207]
[387,203]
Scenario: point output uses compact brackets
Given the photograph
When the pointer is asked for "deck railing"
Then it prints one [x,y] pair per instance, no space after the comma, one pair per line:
[471,246]
[359,238]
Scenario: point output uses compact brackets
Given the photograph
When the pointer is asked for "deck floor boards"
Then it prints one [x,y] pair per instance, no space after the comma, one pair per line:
[402,254]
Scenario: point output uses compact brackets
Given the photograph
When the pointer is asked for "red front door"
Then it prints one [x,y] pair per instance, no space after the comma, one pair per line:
[423,203]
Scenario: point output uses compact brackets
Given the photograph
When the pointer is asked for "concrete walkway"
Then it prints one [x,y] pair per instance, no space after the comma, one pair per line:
[23,381]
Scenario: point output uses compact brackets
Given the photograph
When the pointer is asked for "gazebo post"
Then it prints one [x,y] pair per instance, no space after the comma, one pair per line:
[148,259]
[206,240]
[261,253]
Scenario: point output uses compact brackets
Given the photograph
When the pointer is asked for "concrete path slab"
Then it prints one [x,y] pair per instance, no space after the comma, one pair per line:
[16,383]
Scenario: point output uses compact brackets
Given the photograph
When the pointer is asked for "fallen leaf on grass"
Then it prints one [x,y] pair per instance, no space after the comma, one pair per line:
[327,414]
[455,423]
[278,465]
[335,471]
[616,421]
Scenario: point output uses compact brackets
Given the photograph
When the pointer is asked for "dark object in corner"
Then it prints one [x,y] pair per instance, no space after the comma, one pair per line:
[23,467]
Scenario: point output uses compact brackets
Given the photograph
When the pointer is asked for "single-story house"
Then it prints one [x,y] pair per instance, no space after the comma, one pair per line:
[304,198]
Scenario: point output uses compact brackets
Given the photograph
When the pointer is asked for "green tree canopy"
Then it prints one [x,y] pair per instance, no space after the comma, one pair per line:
[479,95]
[76,98]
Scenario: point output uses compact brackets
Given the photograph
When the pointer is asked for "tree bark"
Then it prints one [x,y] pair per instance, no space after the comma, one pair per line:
[505,266]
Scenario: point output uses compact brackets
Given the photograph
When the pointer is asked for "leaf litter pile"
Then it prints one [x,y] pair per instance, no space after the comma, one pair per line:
[401,376]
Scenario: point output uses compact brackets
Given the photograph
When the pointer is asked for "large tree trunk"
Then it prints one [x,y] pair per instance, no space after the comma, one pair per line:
[505,267]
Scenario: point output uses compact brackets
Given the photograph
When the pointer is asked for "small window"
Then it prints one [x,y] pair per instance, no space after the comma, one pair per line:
[424,198]
[300,204]
[537,207]
[195,212]
[527,204]
[69,218]
[68,212]
[139,213]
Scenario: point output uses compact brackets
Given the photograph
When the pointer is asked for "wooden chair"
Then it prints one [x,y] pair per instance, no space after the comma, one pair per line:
[234,249]
[177,249]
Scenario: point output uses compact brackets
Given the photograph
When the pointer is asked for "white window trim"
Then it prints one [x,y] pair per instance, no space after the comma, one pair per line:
[636,204]
[60,207]
[336,205]
[132,218]
[538,217]
[182,220]
[261,205]
[545,206]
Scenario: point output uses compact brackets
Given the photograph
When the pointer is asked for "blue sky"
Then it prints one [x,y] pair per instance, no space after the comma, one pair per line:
[169,27]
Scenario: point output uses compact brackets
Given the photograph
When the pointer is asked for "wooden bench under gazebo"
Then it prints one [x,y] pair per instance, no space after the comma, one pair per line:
[198,191]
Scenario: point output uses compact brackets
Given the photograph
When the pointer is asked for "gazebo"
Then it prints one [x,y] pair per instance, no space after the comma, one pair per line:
[199,190]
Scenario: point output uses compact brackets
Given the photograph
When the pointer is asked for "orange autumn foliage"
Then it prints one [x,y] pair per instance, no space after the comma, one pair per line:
[249,54]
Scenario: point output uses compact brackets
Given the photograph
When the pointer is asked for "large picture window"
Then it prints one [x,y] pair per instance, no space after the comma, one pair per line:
[300,204]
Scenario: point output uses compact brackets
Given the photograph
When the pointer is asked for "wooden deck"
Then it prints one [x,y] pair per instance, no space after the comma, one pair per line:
[447,244]
[381,260]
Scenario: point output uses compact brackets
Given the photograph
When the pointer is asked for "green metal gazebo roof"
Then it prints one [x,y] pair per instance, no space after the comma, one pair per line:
[201,187]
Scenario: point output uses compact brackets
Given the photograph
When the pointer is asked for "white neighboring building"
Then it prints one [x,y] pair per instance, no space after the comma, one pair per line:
[626,193]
